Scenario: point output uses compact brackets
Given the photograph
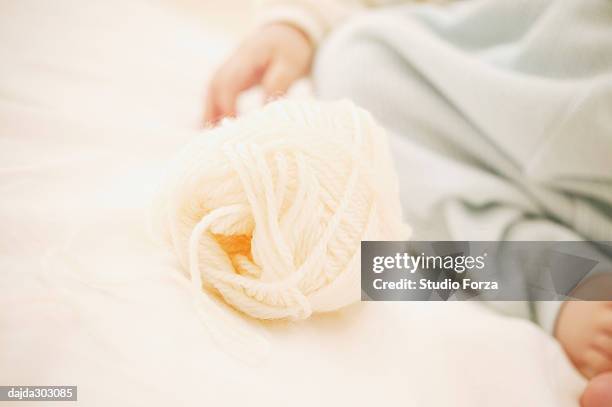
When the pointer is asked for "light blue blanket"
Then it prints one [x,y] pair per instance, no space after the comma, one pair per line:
[501,114]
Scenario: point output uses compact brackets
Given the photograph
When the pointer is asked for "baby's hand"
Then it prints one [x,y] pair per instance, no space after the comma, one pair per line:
[275,57]
[584,329]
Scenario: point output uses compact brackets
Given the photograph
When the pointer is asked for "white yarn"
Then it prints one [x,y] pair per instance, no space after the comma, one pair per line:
[269,210]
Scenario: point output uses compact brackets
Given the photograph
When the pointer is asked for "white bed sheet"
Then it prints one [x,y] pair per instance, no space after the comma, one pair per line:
[94,97]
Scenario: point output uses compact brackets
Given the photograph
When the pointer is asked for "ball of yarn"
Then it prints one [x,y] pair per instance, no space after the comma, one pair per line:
[269,210]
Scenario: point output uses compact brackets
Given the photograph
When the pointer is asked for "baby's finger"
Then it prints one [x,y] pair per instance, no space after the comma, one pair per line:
[237,78]
[605,321]
[594,362]
[210,109]
[234,76]
[603,343]
[277,79]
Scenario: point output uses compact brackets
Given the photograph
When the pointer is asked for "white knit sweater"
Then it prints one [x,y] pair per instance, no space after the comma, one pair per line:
[315,17]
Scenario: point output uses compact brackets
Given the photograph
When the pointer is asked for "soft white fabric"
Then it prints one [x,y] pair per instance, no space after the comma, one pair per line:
[95,97]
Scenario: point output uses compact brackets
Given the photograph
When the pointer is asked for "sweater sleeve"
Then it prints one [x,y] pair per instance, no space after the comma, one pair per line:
[547,312]
[314,17]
